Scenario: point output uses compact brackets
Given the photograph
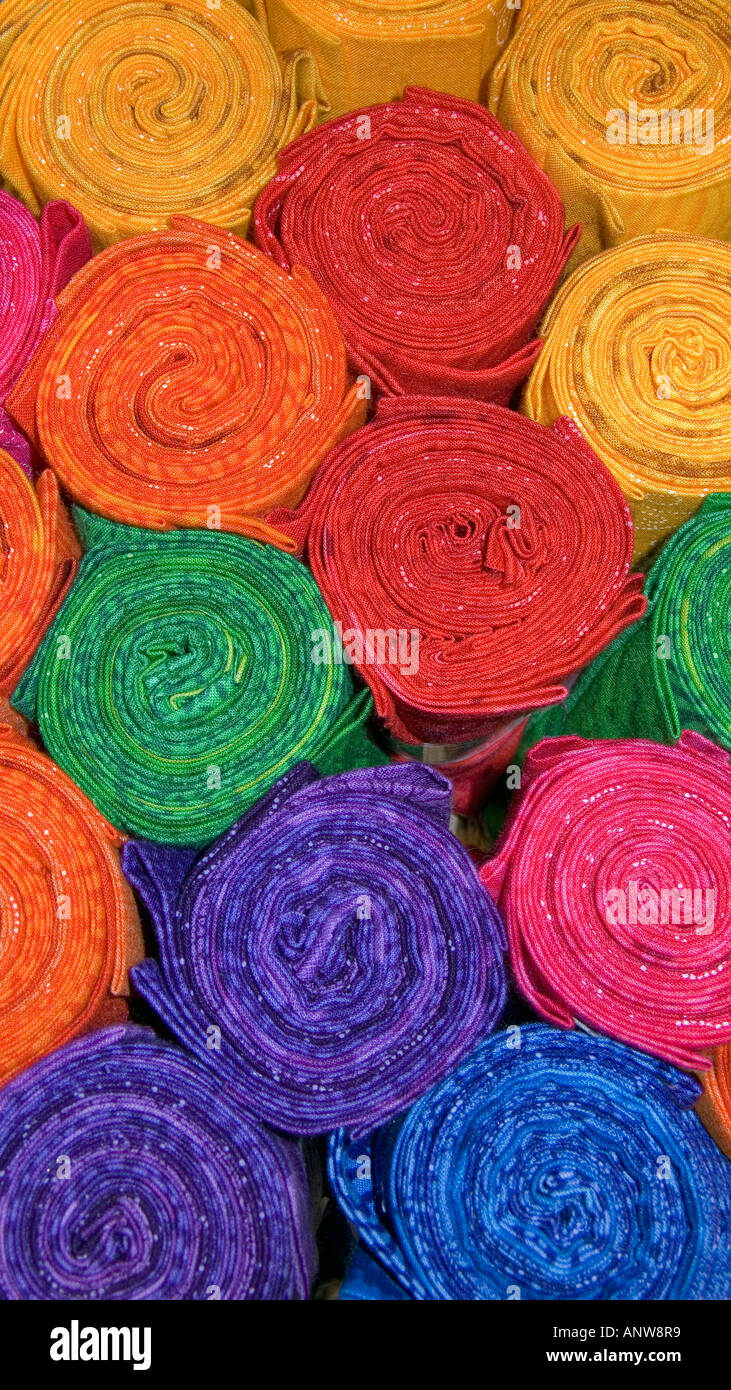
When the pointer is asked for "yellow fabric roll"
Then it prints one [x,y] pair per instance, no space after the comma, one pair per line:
[137,111]
[590,87]
[368,51]
[637,351]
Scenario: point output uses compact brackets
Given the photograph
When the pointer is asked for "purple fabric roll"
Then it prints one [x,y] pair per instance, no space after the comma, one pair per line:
[333,952]
[126,1172]
[36,261]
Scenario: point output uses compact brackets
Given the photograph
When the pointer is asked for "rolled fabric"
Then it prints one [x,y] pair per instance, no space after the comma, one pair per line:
[334,952]
[71,927]
[140,111]
[626,105]
[440,296]
[38,560]
[472,559]
[638,352]
[613,877]
[714,1106]
[672,670]
[177,682]
[129,1174]
[188,382]
[547,1166]
[473,770]
[36,261]
[369,50]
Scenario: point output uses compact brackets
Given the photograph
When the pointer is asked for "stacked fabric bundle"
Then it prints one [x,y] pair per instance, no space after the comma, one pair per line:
[672,670]
[129,1174]
[638,352]
[436,238]
[614,879]
[188,382]
[37,563]
[498,548]
[532,1172]
[369,50]
[626,104]
[70,927]
[176,682]
[140,111]
[36,261]
[334,953]
[714,1106]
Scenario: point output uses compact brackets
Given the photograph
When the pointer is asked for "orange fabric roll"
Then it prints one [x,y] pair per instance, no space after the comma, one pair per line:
[188,381]
[38,559]
[72,927]
[714,1106]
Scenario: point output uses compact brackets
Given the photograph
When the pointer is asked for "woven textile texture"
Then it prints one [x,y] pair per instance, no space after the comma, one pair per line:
[166,1190]
[435,236]
[626,105]
[36,261]
[38,559]
[339,938]
[73,930]
[672,671]
[138,111]
[613,876]
[714,1106]
[638,352]
[370,50]
[502,545]
[176,682]
[547,1166]
[188,381]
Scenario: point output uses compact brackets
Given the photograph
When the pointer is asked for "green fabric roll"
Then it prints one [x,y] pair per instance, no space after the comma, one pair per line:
[178,681]
[672,670]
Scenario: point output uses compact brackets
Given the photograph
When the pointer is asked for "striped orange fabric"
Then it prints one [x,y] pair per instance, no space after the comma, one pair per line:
[38,554]
[188,381]
[75,929]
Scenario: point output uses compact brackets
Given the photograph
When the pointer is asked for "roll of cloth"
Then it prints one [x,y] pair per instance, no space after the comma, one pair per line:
[627,108]
[436,238]
[613,877]
[334,952]
[188,381]
[638,352]
[548,1166]
[70,926]
[714,1106]
[36,261]
[472,562]
[369,50]
[139,111]
[38,559]
[128,1174]
[672,670]
[177,682]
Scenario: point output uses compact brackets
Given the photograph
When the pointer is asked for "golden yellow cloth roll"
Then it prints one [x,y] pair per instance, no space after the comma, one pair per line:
[368,51]
[637,351]
[626,105]
[136,111]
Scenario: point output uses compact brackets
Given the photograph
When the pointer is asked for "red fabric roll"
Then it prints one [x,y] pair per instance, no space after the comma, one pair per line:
[435,236]
[613,876]
[486,555]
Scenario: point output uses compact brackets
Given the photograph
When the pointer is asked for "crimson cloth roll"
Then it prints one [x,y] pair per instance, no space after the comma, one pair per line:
[472,560]
[614,878]
[435,236]
[36,261]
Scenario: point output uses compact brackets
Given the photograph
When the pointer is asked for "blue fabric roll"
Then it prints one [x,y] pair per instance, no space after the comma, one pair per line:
[549,1165]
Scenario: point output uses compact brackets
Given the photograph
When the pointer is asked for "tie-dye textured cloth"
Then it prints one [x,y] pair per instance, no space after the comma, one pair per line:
[334,953]
[547,1166]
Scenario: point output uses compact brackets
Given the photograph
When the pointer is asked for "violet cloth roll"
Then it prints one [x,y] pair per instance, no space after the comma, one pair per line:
[127,1172]
[333,953]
